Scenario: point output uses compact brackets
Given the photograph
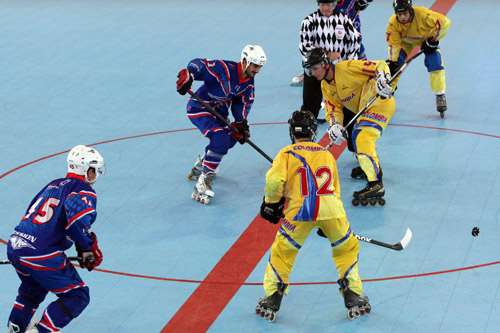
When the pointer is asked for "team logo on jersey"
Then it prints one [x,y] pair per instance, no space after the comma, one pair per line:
[18,243]
[347,99]
[339,31]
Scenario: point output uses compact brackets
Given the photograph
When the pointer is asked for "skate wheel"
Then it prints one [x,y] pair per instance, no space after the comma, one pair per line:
[373,202]
[353,314]
[381,201]
[364,202]
[271,316]
[355,202]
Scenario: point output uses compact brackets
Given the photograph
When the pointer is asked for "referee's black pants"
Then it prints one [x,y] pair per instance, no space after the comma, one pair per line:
[311,95]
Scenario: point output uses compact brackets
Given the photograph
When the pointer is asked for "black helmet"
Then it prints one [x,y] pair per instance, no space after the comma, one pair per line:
[402,5]
[314,57]
[302,125]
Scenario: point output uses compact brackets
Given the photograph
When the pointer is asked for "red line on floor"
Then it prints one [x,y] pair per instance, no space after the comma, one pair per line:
[206,303]
[306,283]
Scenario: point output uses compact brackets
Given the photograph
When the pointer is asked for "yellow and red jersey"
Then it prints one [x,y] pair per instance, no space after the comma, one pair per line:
[306,174]
[425,24]
[351,87]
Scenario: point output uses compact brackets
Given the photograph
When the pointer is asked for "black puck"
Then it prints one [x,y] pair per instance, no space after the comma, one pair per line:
[475,231]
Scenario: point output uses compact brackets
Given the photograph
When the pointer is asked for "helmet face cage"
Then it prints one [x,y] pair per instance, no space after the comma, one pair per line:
[314,57]
[402,5]
[302,124]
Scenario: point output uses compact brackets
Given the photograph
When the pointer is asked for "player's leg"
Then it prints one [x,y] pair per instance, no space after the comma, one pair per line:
[437,77]
[220,143]
[366,133]
[29,297]
[288,241]
[312,96]
[345,254]
[73,298]
[205,124]
[197,168]
[348,115]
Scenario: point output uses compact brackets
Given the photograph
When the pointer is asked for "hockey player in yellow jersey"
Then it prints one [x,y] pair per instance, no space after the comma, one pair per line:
[413,26]
[303,191]
[349,85]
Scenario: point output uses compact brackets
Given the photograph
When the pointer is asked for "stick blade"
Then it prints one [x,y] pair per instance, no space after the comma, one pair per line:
[406,239]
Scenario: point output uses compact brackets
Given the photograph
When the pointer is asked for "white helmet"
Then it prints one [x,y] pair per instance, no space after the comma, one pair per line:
[81,158]
[254,54]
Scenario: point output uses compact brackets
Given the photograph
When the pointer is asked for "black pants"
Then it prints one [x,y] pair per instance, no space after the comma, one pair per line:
[348,115]
[311,95]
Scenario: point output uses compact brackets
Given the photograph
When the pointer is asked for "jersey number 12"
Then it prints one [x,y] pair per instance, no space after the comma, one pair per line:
[323,176]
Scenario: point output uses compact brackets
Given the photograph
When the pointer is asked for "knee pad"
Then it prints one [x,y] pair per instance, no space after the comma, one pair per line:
[221,142]
[74,302]
[433,61]
[31,297]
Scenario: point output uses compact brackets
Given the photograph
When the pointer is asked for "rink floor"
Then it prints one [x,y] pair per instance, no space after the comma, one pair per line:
[103,73]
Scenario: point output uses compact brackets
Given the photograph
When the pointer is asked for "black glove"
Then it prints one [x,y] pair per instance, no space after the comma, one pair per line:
[361,4]
[184,81]
[272,212]
[240,131]
[429,46]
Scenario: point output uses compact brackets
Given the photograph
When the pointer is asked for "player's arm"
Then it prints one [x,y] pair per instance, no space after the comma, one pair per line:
[240,108]
[336,179]
[333,106]
[195,70]
[376,69]
[437,25]
[276,178]
[81,214]
[241,105]
[393,38]
[274,197]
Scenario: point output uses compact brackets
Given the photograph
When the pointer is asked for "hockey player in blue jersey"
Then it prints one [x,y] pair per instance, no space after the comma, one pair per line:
[227,86]
[60,215]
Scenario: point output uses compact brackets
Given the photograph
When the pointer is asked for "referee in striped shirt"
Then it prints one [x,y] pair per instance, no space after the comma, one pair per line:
[335,33]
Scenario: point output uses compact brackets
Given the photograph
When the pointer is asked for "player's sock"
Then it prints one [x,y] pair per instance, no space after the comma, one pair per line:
[211,162]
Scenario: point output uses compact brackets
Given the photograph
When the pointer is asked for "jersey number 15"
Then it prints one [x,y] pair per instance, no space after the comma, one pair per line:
[44,213]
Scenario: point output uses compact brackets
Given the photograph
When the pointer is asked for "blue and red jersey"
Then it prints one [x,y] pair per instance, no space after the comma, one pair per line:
[61,214]
[223,86]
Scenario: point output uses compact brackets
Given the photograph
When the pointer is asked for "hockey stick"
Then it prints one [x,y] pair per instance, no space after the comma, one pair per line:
[374,98]
[217,115]
[7,262]
[397,247]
